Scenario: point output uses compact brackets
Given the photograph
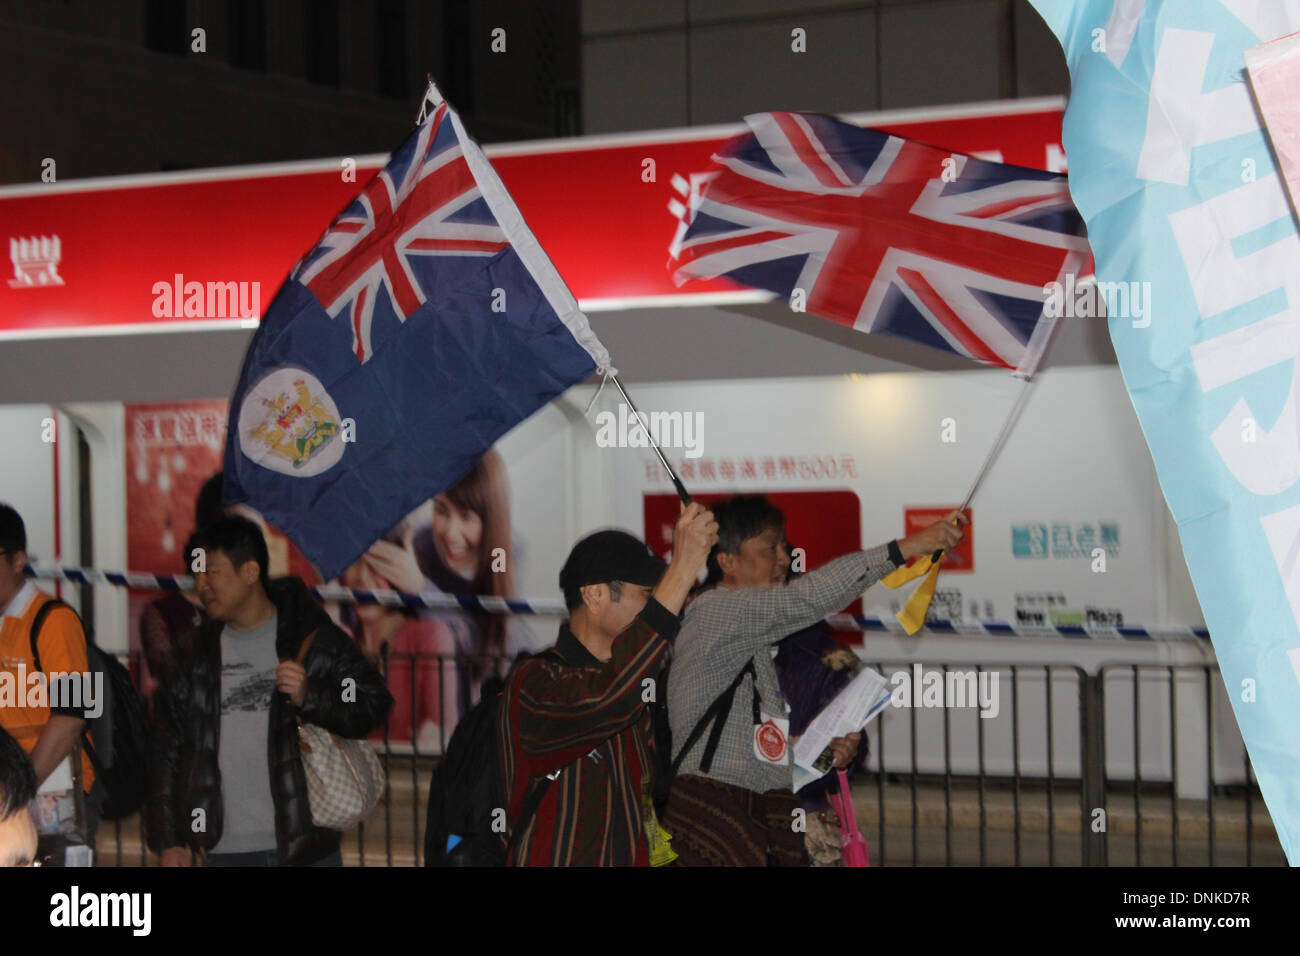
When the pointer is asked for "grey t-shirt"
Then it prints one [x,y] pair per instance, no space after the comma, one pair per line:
[248,663]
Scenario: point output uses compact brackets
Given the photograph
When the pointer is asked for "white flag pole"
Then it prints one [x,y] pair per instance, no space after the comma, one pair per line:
[1041,339]
[1016,408]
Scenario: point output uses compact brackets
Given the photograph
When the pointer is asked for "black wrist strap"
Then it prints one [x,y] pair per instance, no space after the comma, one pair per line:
[896,553]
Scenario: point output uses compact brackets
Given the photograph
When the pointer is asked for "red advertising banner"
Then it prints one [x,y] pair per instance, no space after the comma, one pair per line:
[210,248]
[960,559]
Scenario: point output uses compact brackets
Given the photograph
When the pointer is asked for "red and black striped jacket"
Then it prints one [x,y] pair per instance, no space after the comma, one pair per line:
[589,721]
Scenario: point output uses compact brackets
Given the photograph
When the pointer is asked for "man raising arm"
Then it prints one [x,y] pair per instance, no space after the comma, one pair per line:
[734,808]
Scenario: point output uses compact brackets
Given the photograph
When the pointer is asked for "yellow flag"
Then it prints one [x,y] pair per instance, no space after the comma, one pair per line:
[912,616]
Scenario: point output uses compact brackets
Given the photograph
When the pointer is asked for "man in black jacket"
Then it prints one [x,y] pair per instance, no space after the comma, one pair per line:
[227,778]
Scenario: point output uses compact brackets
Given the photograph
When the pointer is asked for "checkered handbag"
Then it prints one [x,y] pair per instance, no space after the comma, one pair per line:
[344,777]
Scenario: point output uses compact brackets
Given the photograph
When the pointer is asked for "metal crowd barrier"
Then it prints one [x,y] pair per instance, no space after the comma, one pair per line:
[1135,764]
[1121,767]
[1072,785]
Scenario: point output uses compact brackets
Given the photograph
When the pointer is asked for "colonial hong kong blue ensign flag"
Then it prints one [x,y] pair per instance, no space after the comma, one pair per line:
[425,324]
[883,234]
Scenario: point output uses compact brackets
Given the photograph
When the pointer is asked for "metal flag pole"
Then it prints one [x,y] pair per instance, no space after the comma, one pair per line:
[1016,408]
[1002,437]
[677,482]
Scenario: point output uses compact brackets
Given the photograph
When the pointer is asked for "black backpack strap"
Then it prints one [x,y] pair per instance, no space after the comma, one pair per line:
[717,713]
[38,622]
[532,804]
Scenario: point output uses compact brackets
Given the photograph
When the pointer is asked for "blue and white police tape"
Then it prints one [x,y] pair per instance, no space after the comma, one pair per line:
[857,622]
[440,601]
[433,600]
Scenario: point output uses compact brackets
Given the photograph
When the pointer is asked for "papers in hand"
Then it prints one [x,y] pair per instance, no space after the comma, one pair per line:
[853,707]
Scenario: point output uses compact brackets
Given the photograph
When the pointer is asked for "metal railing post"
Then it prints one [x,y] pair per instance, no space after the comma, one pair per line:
[1092,770]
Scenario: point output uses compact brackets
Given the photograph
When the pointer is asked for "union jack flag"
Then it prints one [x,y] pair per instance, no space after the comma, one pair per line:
[886,235]
[424,203]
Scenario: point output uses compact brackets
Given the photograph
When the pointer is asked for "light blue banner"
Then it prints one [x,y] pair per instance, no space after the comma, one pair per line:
[1187,216]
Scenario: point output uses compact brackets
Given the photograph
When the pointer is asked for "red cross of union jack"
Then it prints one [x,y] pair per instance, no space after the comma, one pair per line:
[405,211]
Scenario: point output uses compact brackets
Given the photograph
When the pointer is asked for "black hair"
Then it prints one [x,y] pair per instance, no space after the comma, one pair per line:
[572,597]
[13,533]
[740,518]
[209,506]
[238,539]
[17,777]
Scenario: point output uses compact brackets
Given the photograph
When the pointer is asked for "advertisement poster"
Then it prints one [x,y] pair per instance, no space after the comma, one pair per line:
[460,542]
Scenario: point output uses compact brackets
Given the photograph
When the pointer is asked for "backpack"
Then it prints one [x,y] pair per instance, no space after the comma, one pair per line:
[466,788]
[463,789]
[121,757]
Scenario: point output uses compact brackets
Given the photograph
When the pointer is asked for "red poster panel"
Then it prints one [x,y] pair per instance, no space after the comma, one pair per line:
[171,450]
[961,559]
[825,524]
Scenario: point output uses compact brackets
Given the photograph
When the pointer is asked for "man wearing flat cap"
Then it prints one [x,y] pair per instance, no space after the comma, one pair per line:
[574,732]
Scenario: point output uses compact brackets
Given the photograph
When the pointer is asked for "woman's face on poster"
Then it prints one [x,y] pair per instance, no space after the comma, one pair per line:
[458,532]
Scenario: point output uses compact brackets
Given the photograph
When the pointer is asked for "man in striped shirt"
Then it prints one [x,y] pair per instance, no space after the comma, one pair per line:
[574,721]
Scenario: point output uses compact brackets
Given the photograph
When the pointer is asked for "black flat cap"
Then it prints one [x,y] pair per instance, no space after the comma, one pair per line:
[610,556]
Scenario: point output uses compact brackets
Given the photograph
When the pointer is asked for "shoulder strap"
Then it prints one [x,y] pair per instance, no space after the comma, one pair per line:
[39,621]
[717,713]
[306,646]
[531,805]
